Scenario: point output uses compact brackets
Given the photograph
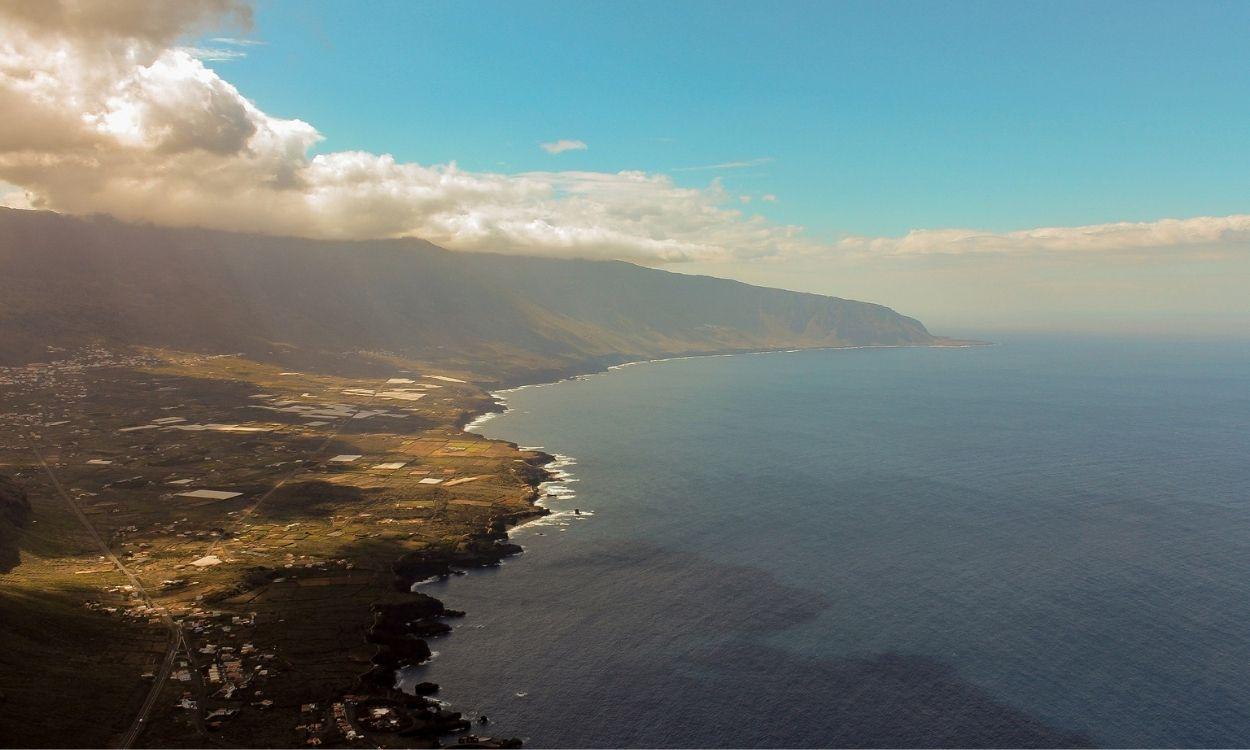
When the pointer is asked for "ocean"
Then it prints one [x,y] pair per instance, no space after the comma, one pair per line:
[1042,542]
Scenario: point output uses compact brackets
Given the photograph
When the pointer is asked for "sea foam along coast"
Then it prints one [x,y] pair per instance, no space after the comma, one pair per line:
[550,477]
[556,486]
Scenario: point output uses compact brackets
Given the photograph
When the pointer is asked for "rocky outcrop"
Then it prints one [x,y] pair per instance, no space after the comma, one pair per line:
[400,629]
[477,551]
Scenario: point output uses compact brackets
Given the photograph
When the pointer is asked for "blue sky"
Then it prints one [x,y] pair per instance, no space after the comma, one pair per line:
[1075,166]
[876,118]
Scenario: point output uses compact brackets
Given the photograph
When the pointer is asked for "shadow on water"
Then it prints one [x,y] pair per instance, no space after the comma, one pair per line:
[647,646]
[885,700]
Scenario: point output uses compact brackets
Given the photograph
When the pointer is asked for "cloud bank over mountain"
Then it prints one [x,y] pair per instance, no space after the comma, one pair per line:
[106,111]
[1199,232]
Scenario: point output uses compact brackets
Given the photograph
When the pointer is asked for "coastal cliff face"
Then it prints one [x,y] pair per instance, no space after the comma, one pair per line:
[70,281]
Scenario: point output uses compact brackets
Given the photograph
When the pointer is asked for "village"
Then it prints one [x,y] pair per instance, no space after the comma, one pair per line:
[251,519]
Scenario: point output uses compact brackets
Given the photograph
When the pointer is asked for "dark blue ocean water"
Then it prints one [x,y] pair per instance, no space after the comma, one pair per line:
[1045,542]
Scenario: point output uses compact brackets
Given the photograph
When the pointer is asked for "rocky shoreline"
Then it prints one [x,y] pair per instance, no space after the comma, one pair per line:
[401,631]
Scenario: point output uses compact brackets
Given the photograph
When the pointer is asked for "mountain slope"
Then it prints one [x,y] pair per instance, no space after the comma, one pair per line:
[67,281]
[14,513]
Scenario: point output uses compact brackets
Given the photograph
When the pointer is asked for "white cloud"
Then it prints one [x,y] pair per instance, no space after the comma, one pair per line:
[562,145]
[214,54]
[236,42]
[768,198]
[103,112]
[729,165]
[12,196]
[127,124]
[1199,232]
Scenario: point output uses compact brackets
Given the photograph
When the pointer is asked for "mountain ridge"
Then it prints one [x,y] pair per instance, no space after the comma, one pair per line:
[70,281]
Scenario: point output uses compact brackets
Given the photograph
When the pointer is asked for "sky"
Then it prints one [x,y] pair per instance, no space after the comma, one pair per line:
[1070,166]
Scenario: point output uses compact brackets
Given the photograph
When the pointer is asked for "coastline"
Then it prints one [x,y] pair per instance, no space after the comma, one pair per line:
[578,416]
[312,555]
[497,541]
[499,400]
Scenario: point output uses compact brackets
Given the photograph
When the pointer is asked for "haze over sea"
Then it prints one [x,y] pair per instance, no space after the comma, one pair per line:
[1041,542]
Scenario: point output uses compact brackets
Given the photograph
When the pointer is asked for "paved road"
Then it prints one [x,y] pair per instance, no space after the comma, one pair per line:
[175,632]
[177,641]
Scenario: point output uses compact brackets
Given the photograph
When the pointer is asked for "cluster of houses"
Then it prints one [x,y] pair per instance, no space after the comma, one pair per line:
[60,376]
[231,669]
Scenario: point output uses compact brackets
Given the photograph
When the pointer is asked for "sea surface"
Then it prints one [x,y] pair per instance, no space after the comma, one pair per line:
[1042,542]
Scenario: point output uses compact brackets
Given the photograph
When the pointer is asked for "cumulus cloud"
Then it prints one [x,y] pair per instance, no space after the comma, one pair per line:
[110,114]
[154,22]
[106,111]
[562,145]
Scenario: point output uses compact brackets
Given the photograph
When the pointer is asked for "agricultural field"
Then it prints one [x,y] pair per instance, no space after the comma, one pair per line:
[210,541]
